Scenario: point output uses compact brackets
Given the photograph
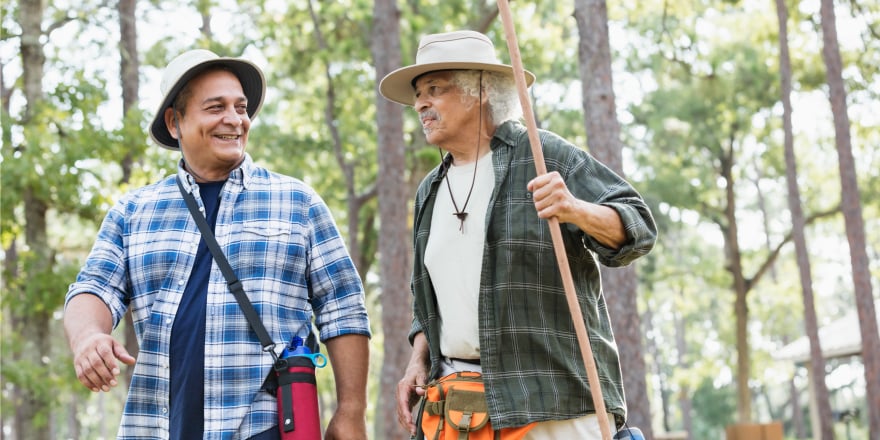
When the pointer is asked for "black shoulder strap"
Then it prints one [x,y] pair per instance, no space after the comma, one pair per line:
[232,281]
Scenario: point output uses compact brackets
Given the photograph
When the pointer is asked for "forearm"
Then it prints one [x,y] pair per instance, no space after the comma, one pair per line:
[600,222]
[420,356]
[85,315]
[350,356]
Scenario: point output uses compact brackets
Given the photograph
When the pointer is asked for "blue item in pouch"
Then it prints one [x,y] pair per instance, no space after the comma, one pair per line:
[296,347]
[627,433]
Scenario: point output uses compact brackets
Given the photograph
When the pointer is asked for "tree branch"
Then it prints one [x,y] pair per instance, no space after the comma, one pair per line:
[771,258]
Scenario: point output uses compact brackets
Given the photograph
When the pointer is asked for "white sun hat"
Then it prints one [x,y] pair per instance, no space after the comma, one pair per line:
[187,66]
[459,50]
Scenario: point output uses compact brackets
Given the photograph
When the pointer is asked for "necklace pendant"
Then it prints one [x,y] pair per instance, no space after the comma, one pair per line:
[461,217]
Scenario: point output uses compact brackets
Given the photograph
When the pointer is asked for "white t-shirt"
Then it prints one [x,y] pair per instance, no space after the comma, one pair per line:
[454,255]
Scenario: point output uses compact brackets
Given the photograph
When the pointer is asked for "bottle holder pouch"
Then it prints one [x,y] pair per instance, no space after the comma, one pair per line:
[297,395]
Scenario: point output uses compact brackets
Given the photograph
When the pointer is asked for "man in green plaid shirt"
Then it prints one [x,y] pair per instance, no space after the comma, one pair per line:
[487,294]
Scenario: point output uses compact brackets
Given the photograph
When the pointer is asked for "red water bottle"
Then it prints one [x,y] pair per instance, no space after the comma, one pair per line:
[297,395]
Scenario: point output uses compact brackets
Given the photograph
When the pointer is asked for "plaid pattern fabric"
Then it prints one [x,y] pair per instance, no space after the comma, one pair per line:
[529,353]
[282,242]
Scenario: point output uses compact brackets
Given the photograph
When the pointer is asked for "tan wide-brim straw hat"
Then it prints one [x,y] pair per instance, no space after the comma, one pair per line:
[190,64]
[459,50]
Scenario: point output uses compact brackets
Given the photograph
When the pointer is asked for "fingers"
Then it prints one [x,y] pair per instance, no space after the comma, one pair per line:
[546,186]
[405,391]
[409,390]
[539,182]
[95,362]
[550,194]
[122,354]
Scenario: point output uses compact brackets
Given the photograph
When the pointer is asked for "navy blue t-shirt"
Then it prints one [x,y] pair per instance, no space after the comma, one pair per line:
[187,351]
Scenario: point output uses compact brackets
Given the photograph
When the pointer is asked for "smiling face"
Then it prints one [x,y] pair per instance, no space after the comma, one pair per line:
[450,118]
[214,124]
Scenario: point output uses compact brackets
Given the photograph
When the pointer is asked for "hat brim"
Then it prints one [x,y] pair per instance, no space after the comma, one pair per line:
[397,86]
[253,85]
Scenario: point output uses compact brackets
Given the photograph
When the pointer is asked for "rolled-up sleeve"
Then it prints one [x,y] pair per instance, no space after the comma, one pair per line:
[104,272]
[337,291]
[641,234]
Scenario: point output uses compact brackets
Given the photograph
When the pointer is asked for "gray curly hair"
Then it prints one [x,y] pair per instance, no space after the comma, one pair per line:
[504,102]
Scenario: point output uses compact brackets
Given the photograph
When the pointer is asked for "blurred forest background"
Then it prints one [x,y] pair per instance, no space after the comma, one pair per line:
[750,126]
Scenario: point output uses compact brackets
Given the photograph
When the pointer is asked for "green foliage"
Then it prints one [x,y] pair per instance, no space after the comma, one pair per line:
[696,119]
[296,138]
[715,408]
[36,294]
[59,137]
[44,382]
[33,379]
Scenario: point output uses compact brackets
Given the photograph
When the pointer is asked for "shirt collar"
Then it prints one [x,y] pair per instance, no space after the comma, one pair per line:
[507,133]
[241,175]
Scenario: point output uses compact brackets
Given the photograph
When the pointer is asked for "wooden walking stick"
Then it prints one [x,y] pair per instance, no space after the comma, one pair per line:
[555,232]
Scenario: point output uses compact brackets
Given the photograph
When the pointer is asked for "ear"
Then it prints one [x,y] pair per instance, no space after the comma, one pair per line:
[170,122]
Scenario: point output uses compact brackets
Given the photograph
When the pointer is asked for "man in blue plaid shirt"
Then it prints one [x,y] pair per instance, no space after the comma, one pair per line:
[200,366]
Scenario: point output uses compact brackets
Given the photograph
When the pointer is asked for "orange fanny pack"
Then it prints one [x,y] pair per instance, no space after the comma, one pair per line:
[455,408]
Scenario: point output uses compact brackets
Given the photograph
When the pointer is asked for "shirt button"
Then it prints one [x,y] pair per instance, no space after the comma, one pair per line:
[167,320]
[164,410]
[181,282]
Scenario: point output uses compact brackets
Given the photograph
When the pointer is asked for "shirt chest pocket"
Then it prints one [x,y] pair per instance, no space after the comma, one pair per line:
[269,249]
[519,216]
[266,230]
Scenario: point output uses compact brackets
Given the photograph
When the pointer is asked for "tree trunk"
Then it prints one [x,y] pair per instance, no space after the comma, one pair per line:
[10,253]
[129,66]
[621,289]
[34,328]
[800,244]
[681,348]
[395,264]
[33,405]
[852,214]
[797,417]
[733,256]
[32,56]
[765,215]
[603,134]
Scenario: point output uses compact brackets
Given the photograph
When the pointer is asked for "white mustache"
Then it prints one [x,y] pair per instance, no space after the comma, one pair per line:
[429,114]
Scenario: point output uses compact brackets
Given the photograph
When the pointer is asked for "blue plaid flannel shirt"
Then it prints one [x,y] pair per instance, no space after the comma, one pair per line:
[282,241]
